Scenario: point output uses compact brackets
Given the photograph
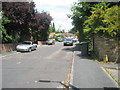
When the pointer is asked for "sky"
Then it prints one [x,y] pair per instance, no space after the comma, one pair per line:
[58,9]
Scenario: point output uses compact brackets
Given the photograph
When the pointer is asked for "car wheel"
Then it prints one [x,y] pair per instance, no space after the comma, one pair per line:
[29,49]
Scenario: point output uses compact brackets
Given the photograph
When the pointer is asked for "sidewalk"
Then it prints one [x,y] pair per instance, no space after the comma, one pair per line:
[8,53]
[87,73]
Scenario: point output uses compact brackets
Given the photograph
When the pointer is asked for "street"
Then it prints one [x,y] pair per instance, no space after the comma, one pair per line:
[53,66]
[48,62]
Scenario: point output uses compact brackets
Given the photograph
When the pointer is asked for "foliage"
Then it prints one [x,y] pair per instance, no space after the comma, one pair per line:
[89,18]
[59,36]
[21,15]
[103,20]
[81,12]
[3,34]
[43,21]
[52,28]
[73,31]
[26,22]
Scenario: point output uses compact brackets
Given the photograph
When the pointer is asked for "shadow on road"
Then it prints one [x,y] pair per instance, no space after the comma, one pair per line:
[64,86]
[77,47]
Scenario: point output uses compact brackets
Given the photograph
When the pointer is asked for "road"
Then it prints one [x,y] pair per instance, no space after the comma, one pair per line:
[53,66]
[37,68]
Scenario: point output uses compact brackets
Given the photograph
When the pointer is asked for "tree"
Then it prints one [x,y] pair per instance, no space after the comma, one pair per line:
[81,12]
[41,28]
[73,30]
[104,20]
[26,22]
[4,37]
[53,27]
[21,15]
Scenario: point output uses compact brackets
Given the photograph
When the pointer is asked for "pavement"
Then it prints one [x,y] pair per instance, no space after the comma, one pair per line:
[87,73]
[5,54]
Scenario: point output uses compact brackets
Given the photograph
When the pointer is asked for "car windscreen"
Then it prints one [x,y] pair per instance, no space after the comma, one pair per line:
[68,39]
[26,43]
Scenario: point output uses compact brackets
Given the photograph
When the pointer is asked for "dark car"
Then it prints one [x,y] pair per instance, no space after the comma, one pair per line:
[50,42]
[68,41]
[60,39]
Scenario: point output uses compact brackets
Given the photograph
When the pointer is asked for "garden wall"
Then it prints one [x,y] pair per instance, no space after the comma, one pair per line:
[7,47]
[104,45]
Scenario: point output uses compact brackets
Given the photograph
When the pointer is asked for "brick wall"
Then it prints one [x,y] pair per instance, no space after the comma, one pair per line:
[104,45]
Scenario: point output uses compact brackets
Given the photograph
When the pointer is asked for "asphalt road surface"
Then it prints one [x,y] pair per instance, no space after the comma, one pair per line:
[46,67]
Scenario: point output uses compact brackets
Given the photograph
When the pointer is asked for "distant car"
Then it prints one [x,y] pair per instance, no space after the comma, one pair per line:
[50,42]
[60,39]
[26,46]
[74,39]
[68,41]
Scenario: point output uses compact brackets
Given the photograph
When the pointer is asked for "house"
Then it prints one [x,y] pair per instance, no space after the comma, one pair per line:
[51,35]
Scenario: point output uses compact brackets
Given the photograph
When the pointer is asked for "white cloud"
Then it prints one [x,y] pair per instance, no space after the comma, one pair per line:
[58,9]
[54,2]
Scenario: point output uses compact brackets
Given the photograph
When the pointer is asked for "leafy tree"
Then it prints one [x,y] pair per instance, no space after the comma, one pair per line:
[103,20]
[73,30]
[41,28]
[26,22]
[4,37]
[53,27]
[81,12]
[21,15]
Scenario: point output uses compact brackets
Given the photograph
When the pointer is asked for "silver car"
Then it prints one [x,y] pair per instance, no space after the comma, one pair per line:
[68,41]
[26,46]
[50,42]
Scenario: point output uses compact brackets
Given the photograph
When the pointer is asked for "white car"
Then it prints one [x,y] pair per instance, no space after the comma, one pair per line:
[26,46]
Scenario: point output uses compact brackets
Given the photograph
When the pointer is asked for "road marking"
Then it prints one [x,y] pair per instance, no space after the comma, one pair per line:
[18,62]
[36,81]
[72,69]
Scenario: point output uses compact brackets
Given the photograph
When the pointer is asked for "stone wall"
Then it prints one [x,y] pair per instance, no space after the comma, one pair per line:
[104,45]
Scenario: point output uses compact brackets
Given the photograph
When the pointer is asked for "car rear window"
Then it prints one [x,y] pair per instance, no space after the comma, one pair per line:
[26,43]
[68,39]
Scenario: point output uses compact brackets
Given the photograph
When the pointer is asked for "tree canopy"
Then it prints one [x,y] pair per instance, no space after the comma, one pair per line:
[25,21]
[89,18]
[95,17]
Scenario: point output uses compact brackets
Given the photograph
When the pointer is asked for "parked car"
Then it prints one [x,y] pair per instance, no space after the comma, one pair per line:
[50,42]
[26,46]
[60,39]
[74,39]
[68,41]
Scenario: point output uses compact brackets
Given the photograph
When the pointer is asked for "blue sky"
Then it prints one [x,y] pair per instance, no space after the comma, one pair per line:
[58,9]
